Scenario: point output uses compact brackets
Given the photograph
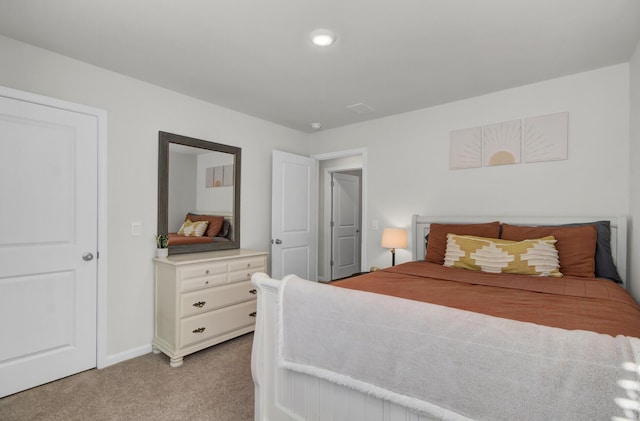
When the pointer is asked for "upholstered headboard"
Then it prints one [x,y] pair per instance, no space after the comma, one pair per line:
[420,226]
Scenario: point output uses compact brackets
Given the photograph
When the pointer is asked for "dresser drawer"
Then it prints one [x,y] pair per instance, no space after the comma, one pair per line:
[247,263]
[215,323]
[204,282]
[202,270]
[202,276]
[213,298]
[244,275]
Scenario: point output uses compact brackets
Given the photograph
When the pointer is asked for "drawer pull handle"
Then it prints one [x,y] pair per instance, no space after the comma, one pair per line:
[198,330]
[248,276]
[248,265]
[199,304]
[206,271]
[253,291]
[253,314]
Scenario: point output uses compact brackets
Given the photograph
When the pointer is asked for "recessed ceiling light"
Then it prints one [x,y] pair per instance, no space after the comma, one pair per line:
[323,37]
[316,126]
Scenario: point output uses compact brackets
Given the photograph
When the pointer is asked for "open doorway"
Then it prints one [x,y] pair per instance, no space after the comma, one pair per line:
[341,212]
[345,223]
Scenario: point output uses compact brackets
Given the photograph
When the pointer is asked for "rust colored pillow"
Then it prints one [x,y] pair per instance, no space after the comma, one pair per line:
[215,223]
[437,243]
[576,245]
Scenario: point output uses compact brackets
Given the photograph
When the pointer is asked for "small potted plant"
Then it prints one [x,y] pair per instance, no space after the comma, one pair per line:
[162,241]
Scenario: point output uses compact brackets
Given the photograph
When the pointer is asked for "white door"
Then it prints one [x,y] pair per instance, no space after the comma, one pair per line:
[346,225]
[293,216]
[48,243]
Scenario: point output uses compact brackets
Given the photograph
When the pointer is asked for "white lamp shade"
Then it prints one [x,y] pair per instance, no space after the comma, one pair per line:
[394,238]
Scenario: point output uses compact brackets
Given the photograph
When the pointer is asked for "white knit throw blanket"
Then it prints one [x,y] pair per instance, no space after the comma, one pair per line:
[452,364]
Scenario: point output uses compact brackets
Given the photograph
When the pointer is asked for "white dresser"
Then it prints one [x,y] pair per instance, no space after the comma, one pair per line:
[202,299]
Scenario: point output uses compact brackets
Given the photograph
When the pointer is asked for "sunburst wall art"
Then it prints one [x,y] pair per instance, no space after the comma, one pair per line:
[545,137]
[541,138]
[219,176]
[501,144]
[465,148]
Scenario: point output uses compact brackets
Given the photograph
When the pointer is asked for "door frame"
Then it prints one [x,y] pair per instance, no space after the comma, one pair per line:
[362,152]
[101,246]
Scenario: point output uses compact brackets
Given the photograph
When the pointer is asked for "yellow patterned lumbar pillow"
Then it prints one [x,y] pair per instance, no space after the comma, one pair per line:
[193,229]
[528,257]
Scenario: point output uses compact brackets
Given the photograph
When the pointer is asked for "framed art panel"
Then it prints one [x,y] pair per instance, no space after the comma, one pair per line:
[465,148]
[545,137]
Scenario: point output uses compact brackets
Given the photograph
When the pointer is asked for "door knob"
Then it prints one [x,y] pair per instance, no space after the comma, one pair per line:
[278,241]
[87,256]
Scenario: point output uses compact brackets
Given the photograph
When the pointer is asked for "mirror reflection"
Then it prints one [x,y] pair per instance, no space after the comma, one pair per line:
[198,195]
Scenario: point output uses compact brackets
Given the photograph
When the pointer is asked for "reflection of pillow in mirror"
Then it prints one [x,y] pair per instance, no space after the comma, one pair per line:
[215,222]
[224,231]
[193,228]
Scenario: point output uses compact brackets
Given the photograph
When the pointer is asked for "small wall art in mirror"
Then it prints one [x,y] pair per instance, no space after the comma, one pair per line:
[198,194]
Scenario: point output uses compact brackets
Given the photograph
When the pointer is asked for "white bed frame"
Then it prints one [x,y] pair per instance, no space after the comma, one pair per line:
[282,395]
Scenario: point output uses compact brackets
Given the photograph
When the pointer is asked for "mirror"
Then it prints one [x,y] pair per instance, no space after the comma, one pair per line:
[200,180]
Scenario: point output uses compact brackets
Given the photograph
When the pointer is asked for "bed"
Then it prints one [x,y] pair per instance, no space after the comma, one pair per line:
[422,341]
[218,229]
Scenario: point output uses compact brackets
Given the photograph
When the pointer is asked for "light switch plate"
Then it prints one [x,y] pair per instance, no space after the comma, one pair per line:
[136,229]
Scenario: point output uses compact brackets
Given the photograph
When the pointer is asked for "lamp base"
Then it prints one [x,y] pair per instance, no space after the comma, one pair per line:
[393,257]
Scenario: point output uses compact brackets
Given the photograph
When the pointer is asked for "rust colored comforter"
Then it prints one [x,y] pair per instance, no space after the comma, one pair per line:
[569,302]
[180,240]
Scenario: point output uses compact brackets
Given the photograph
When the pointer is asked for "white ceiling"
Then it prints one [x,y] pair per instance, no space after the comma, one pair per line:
[254,56]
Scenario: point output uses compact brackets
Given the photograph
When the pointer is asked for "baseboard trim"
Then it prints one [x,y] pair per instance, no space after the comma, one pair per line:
[127,355]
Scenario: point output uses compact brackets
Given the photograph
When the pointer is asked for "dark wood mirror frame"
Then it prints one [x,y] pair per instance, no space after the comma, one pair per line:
[165,139]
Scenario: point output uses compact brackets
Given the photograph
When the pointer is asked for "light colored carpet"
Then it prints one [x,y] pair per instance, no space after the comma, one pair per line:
[213,384]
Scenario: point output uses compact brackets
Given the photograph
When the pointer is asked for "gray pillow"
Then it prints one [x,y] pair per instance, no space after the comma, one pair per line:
[224,231]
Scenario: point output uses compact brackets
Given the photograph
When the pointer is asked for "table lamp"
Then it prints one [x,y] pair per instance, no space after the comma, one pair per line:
[394,238]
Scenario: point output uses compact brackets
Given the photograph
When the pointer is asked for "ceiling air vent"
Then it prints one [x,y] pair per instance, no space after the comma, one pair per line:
[361,108]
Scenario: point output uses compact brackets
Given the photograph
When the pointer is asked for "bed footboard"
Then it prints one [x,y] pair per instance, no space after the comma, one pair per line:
[282,394]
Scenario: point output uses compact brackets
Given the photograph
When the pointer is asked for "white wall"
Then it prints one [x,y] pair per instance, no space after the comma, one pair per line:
[408,157]
[331,164]
[136,112]
[182,188]
[634,174]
